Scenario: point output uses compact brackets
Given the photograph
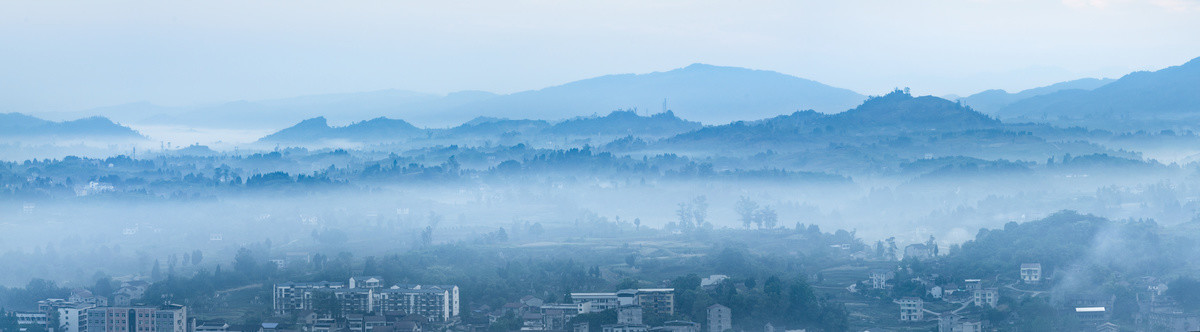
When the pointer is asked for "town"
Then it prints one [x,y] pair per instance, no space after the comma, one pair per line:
[843,284]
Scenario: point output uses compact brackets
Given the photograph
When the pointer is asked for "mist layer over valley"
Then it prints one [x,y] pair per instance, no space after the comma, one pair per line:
[733,160]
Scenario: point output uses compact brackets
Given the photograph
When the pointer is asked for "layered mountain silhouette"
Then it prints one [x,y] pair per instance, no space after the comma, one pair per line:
[384,130]
[17,126]
[699,92]
[375,130]
[1165,98]
[895,113]
[993,100]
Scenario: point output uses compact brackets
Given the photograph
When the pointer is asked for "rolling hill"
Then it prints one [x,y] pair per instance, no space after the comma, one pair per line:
[21,126]
[993,100]
[699,92]
[1167,99]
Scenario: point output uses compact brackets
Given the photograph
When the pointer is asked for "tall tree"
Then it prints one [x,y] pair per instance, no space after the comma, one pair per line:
[700,210]
[766,217]
[746,209]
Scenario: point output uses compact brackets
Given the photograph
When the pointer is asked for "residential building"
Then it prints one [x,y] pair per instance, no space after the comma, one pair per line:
[879,278]
[952,322]
[1173,320]
[719,318]
[166,318]
[366,282]
[713,280]
[73,318]
[556,317]
[629,315]
[918,251]
[936,292]
[296,296]
[80,295]
[438,303]
[1089,309]
[598,301]
[660,301]
[32,318]
[624,328]
[211,326]
[912,309]
[677,326]
[972,284]
[1031,273]
[986,297]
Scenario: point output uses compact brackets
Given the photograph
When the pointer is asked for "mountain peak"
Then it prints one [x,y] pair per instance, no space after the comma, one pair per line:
[317,122]
[702,66]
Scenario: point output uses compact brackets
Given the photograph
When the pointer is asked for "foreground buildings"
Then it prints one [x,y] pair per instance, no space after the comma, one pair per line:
[439,303]
[658,301]
[165,318]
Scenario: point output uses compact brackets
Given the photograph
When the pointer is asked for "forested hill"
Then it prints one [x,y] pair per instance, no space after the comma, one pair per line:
[17,126]
[1140,100]
[892,114]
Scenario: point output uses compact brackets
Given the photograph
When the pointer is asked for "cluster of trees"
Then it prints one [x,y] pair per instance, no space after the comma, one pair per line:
[751,214]
[692,215]
[788,303]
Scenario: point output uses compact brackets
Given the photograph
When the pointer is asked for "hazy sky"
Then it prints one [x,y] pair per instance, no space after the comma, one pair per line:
[68,55]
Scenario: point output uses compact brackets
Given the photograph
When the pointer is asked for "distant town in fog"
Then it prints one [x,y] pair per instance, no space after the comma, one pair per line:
[711,197]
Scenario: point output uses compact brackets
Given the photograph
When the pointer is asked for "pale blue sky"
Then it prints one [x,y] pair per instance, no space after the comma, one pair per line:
[70,55]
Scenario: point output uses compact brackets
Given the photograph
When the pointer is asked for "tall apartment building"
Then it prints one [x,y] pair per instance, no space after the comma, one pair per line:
[660,301]
[367,295]
[719,318]
[166,318]
[912,309]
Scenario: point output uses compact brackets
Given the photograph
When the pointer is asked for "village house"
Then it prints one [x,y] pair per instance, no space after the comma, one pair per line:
[1031,273]
[912,309]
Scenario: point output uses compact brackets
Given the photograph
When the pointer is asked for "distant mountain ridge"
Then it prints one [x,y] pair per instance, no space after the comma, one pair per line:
[894,113]
[384,130]
[1166,98]
[993,100]
[625,123]
[318,129]
[17,125]
[698,92]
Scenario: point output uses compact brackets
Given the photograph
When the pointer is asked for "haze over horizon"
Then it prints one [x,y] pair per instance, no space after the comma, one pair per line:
[85,55]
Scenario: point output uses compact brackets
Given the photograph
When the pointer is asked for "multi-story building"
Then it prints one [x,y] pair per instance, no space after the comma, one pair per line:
[166,318]
[986,297]
[912,309]
[438,302]
[952,322]
[366,295]
[658,301]
[918,251]
[597,301]
[73,318]
[296,296]
[719,318]
[32,318]
[879,278]
[557,317]
[1031,273]
[677,326]
[624,328]
[629,315]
